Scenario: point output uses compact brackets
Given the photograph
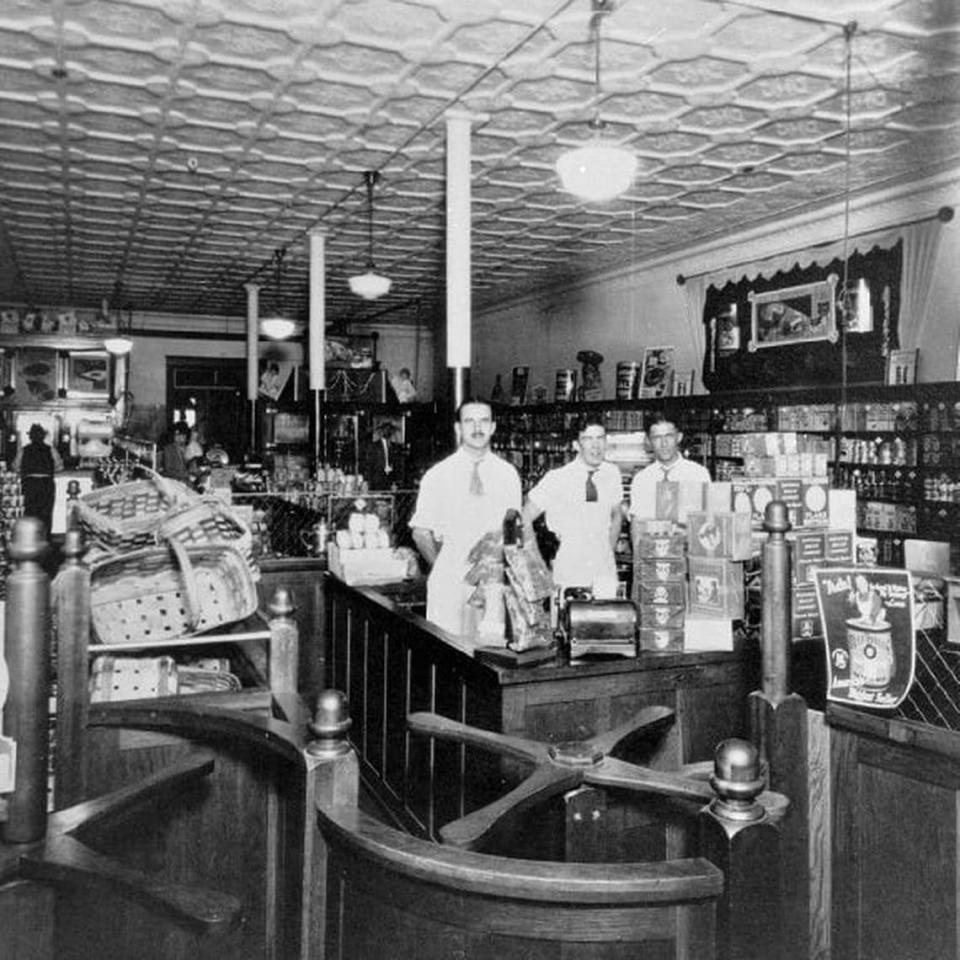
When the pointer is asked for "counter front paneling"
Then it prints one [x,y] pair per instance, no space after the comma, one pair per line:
[391,662]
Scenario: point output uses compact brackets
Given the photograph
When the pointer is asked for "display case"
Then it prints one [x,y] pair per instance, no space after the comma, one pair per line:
[897,446]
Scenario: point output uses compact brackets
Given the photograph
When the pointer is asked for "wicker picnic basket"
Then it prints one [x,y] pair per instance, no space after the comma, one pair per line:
[164,593]
[209,520]
[126,516]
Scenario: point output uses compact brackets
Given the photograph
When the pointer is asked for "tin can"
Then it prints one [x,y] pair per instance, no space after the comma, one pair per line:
[628,379]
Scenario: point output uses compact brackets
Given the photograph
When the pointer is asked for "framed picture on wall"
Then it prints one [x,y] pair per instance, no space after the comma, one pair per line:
[274,375]
[656,377]
[901,367]
[87,373]
[35,374]
[793,315]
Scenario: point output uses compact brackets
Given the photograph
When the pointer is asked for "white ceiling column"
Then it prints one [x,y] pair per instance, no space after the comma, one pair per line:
[458,252]
[253,353]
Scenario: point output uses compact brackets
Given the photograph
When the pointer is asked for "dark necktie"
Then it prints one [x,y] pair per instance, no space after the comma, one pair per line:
[591,487]
[476,484]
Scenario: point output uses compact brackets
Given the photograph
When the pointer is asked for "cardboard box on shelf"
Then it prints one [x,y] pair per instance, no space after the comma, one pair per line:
[716,588]
[751,496]
[661,639]
[706,634]
[719,535]
[676,499]
[651,569]
[669,592]
[662,615]
[806,622]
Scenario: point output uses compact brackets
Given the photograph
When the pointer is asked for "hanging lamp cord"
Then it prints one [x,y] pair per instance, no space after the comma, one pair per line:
[371,177]
[849,30]
[600,9]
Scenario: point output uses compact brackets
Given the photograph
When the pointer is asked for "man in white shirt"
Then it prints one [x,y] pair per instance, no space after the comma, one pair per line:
[582,503]
[461,498]
[668,465]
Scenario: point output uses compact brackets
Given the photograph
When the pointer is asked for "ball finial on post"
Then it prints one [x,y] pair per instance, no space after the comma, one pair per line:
[737,781]
[330,724]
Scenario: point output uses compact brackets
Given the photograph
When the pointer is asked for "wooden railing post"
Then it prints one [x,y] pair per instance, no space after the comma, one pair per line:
[332,780]
[779,728]
[71,593]
[26,712]
[739,836]
[284,653]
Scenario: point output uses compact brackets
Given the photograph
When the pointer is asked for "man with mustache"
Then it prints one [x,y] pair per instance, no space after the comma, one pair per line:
[461,498]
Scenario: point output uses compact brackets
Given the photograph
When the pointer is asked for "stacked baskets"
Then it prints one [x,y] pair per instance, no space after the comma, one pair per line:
[165,562]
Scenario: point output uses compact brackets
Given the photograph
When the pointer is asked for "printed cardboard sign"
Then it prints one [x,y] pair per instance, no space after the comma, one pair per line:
[867,617]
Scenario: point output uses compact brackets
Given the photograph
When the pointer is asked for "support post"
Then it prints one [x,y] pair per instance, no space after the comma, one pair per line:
[253,356]
[26,712]
[332,779]
[284,644]
[458,255]
[316,338]
[778,721]
[739,836]
[72,609]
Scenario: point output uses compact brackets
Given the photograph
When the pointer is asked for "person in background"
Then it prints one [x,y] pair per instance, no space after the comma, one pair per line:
[403,386]
[381,466]
[37,462]
[463,497]
[270,384]
[173,456]
[583,505]
[195,447]
[668,465]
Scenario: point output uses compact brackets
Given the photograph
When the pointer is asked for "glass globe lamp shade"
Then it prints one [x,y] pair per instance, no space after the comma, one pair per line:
[277,328]
[118,346]
[597,171]
[369,285]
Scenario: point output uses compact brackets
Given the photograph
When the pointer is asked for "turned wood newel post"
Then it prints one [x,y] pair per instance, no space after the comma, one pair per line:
[284,643]
[25,715]
[777,610]
[779,728]
[71,600]
[738,836]
[338,771]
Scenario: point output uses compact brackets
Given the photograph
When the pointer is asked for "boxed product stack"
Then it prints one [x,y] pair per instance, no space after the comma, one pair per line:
[659,584]
[812,549]
[719,542]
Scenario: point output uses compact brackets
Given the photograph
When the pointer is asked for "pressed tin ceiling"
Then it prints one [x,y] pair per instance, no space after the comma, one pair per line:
[161,151]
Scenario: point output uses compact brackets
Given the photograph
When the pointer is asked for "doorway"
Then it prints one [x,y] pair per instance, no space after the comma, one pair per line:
[211,392]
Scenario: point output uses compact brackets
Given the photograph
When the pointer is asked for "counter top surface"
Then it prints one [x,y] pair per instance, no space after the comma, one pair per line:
[558,668]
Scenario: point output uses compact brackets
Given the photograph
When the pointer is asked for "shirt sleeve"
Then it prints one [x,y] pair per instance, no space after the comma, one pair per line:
[426,512]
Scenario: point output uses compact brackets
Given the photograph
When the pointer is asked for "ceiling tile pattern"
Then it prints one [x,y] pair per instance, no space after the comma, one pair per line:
[160,152]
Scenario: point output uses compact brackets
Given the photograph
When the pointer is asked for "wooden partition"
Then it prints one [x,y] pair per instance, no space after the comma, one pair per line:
[391,662]
[409,899]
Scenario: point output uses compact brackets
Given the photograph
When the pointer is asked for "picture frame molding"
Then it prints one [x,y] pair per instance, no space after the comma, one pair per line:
[664,388]
[820,292]
[71,360]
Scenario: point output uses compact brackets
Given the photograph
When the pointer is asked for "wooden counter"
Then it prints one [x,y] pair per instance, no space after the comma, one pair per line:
[391,662]
[894,797]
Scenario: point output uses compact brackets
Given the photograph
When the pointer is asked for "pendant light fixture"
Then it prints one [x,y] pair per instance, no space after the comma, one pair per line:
[599,170]
[371,284]
[278,327]
[120,342]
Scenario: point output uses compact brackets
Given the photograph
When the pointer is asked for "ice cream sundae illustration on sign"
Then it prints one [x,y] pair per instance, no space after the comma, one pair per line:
[867,617]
